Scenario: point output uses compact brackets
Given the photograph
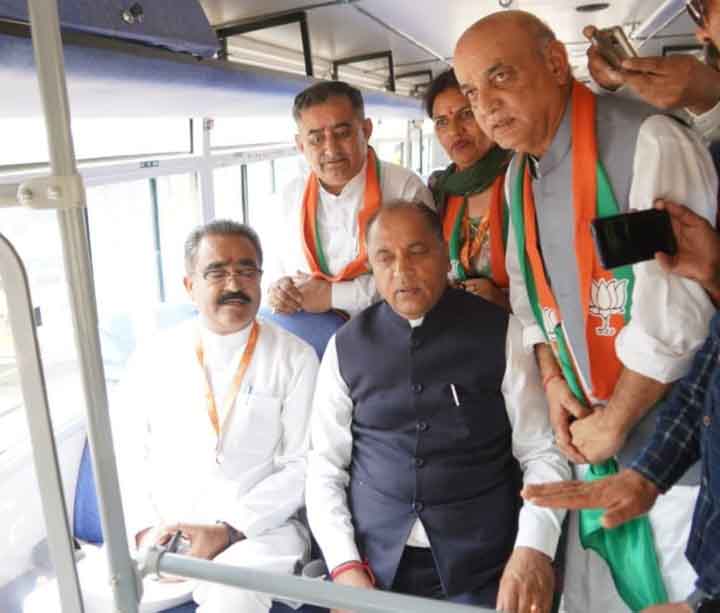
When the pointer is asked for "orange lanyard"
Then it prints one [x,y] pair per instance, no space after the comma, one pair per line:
[234,387]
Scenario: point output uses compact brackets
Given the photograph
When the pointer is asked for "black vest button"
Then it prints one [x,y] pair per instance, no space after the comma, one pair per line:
[418,506]
[422,426]
[417,388]
[419,462]
[415,343]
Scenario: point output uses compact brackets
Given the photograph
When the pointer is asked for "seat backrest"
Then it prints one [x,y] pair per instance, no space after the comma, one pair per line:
[86,518]
[314,328]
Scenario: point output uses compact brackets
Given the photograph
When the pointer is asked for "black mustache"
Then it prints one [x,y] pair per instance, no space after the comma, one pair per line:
[238,295]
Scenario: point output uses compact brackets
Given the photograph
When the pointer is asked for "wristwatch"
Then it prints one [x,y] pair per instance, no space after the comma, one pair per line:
[700,602]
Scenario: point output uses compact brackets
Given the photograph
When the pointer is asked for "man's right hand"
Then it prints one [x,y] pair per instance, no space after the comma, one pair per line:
[601,71]
[672,82]
[284,297]
[564,408]
[623,496]
[354,577]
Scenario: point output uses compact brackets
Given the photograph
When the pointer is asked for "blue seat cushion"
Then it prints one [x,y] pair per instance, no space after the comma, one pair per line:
[86,518]
[314,328]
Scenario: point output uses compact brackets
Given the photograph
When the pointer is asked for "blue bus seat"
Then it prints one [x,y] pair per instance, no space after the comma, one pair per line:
[314,328]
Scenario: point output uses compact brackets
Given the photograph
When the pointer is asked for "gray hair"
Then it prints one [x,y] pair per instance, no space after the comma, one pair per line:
[225,227]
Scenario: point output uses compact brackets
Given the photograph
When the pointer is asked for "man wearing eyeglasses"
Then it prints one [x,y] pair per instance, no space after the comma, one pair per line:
[676,81]
[319,254]
[211,426]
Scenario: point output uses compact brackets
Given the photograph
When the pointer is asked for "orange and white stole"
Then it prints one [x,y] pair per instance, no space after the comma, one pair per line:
[311,243]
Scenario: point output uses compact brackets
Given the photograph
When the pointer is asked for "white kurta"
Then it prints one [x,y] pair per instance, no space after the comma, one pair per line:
[337,223]
[670,316]
[166,446]
[328,477]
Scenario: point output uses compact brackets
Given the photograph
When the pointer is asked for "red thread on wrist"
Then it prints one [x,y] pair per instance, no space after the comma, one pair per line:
[351,565]
[549,378]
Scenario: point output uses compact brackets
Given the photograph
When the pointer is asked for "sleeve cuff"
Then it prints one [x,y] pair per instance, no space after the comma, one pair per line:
[531,336]
[633,346]
[343,549]
[539,528]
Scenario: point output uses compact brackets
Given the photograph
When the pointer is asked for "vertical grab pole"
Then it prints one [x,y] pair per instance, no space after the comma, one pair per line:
[47,45]
[34,391]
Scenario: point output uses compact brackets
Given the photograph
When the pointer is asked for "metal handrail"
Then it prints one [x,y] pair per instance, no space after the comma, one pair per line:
[32,381]
[299,589]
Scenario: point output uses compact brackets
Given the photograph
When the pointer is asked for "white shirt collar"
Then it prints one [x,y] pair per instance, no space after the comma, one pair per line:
[220,349]
[416,323]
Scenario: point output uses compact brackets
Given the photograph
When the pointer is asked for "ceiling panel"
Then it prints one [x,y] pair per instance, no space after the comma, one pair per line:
[341,30]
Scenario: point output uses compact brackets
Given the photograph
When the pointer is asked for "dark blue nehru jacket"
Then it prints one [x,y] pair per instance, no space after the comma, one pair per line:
[416,453]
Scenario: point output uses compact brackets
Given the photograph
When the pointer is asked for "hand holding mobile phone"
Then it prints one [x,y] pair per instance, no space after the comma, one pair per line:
[632,237]
[613,45]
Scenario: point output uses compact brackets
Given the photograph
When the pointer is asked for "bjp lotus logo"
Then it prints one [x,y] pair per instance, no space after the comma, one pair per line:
[550,321]
[607,298]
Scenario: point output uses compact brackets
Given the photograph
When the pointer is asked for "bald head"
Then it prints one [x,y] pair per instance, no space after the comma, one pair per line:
[517,77]
[527,26]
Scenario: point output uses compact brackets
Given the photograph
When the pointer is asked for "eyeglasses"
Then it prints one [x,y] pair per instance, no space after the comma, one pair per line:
[217,276]
[697,12]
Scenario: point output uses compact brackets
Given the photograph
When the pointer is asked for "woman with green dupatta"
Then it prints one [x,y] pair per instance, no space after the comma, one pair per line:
[469,194]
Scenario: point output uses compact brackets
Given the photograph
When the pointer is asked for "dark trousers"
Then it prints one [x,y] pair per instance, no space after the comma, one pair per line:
[416,575]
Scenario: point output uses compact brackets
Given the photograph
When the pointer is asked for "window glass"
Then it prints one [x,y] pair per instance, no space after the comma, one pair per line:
[25,142]
[286,170]
[260,192]
[391,151]
[227,186]
[179,212]
[244,131]
[125,267]
[36,237]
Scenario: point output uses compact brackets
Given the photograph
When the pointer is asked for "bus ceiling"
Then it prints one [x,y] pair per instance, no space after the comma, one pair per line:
[127,58]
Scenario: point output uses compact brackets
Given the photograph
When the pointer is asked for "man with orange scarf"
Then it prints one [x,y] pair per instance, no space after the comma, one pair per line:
[320,259]
[609,343]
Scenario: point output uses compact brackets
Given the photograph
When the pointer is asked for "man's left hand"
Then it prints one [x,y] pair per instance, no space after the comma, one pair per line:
[527,583]
[597,436]
[206,540]
[316,292]
[673,607]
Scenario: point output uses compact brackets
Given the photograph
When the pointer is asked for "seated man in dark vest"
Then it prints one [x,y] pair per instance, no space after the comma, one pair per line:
[428,417]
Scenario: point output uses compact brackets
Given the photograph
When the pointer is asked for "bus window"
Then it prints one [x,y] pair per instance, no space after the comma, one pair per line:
[36,237]
[137,230]
[95,138]
[227,187]
[260,192]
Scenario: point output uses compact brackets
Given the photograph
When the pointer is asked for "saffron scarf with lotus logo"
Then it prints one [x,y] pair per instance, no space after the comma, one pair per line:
[606,298]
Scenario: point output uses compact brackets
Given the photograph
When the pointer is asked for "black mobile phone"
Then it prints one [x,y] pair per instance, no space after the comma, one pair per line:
[632,237]
[613,45]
